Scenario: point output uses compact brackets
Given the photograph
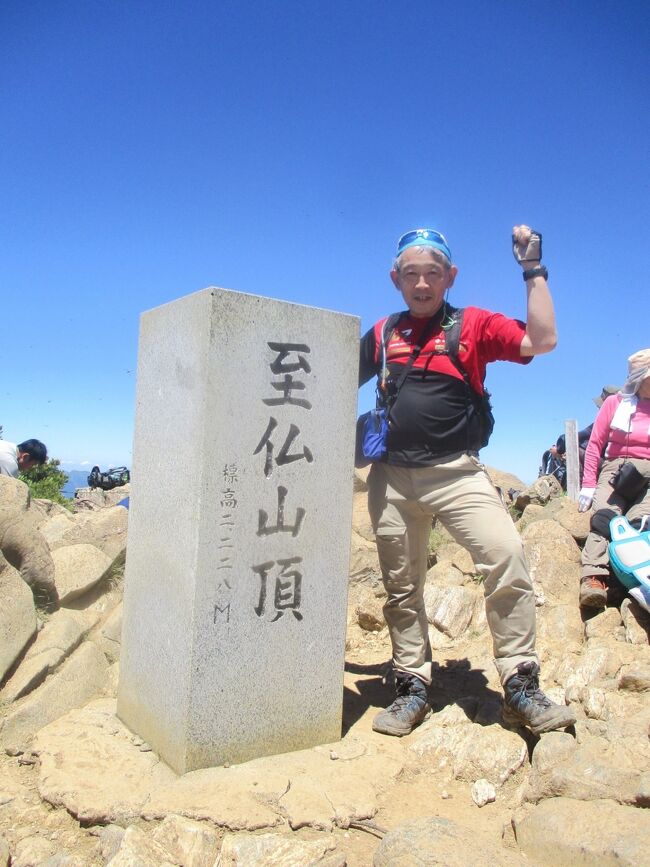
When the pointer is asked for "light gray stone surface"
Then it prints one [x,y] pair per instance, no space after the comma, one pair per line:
[17,616]
[192,844]
[363,558]
[139,850]
[14,494]
[597,834]
[234,613]
[54,527]
[89,499]
[122,779]
[110,634]
[553,559]
[636,622]
[449,609]
[59,637]
[309,788]
[483,792]
[79,678]
[434,842]
[468,751]
[558,624]
[32,850]
[593,771]
[104,528]
[369,611]
[281,850]
[635,677]
[77,568]
[110,840]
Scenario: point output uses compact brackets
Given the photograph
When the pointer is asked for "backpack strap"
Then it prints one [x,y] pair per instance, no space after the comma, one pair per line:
[390,324]
[481,402]
[452,342]
[386,333]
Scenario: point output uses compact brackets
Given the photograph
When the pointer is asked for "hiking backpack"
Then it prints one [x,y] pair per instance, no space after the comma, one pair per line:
[113,478]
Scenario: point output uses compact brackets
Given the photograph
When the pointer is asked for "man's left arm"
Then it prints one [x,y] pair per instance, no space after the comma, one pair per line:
[541,332]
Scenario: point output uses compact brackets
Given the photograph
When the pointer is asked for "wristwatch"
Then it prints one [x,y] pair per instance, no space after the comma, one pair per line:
[539,271]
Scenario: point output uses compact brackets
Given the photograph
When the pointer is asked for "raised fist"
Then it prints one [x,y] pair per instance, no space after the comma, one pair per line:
[526,245]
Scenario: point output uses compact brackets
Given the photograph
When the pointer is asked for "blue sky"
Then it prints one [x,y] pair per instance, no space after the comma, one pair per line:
[149,149]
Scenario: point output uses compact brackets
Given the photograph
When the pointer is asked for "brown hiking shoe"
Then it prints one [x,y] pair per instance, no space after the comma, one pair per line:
[593,592]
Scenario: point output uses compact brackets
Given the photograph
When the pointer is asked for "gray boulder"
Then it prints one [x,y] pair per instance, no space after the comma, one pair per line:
[568,516]
[598,834]
[467,751]
[540,492]
[636,622]
[123,776]
[450,609]
[434,842]
[190,843]
[364,562]
[81,677]
[369,612]
[592,771]
[110,635]
[23,545]
[532,512]
[77,569]
[105,529]
[62,633]
[95,498]
[140,850]
[635,677]
[17,616]
[14,495]
[554,559]
[281,850]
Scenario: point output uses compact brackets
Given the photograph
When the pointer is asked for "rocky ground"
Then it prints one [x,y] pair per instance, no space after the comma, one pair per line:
[78,789]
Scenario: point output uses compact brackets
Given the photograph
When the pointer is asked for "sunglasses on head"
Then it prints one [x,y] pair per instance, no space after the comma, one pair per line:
[427,237]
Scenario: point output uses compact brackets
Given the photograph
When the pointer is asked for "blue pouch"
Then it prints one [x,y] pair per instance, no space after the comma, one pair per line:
[629,556]
[372,437]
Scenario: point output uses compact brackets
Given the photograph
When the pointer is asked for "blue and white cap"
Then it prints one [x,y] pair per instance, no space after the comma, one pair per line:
[424,238]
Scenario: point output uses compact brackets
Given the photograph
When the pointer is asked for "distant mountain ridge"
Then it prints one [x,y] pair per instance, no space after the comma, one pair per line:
[76,479]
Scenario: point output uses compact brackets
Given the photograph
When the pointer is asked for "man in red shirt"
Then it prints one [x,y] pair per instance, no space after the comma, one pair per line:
[432,469]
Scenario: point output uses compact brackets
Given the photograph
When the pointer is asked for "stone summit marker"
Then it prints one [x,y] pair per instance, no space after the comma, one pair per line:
[239,528]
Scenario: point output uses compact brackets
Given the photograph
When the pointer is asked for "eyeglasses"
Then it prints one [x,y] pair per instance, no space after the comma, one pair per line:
[426,238]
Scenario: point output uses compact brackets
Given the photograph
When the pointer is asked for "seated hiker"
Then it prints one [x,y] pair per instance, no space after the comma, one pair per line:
[553,464]
[554,459]
[622,429]
[19,458]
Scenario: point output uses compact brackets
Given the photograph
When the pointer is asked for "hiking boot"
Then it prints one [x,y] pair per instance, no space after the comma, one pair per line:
[407,711]
[593,592]
[526,704]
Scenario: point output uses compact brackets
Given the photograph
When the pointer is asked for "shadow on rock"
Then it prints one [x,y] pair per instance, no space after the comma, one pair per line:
[375,691]
[456,682]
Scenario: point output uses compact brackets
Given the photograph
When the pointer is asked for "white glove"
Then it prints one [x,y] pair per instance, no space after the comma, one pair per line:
[585,499]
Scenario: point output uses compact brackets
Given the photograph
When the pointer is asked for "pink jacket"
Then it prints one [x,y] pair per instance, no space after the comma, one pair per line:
[635,444]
